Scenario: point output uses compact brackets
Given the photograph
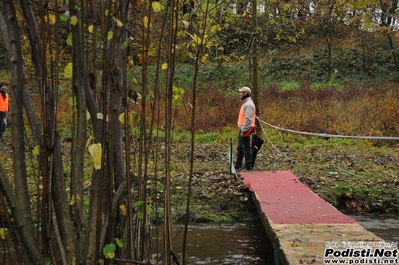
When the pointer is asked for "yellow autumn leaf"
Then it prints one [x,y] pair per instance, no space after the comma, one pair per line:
[123,209]
[95,151]
[122,118]
[156,6]
[36,150]
[204,58]
[197,39]
[89,139]
[118,22]
[145,21]
[164,66]
[217,27]
[74,20]
[90,28]
[50,19]
[186,24]
[3,233]
[72,201]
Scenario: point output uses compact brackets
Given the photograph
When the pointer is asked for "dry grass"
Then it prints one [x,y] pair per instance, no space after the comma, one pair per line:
[354,110]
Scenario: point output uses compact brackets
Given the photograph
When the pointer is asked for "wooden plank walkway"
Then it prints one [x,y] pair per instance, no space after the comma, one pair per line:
[298,222]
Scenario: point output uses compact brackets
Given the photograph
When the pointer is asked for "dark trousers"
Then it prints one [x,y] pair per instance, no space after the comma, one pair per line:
[3,122]
[244,151]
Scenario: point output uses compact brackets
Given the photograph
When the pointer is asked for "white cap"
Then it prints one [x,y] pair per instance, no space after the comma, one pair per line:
[245,89]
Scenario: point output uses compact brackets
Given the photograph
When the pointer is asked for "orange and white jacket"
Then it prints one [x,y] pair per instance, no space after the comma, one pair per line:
[247,115]
[4,103]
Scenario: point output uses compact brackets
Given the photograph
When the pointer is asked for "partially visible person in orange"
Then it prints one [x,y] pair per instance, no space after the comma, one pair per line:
[4,108]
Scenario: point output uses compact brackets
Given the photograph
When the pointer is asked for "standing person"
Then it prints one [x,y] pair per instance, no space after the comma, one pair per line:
[4,108]
[246,123]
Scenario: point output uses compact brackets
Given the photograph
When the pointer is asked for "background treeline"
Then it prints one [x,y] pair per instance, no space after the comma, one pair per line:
[313,41]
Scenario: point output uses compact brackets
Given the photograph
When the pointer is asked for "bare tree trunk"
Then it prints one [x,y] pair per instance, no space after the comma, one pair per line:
[30,112]
[80,84]
[253,53]
[36,54]
[27,236]
[194,99]
[328,25]
[173,9]
[4,33]
[20,179]
[62,209]
[395,58]
[388,10]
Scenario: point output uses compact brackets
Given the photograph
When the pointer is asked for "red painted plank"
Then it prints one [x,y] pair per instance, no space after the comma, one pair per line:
[286,200]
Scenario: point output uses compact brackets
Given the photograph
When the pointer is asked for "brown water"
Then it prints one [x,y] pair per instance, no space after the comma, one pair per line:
[247,243]
[240,243]
[384,226]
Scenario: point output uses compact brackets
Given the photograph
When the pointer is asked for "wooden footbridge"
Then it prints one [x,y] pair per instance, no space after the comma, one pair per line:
[302,226]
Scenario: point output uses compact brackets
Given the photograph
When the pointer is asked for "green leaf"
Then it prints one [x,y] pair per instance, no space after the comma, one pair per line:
[68,70]
[69,39]
[109,250]
[64,17]
[36,150]
[138,203]
[147,98]
[140,215]
[72,101]
[47,261]
[110,35]
[124,45]
[119,242]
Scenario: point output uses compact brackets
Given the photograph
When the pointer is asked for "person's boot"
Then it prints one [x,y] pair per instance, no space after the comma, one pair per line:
[238,165]
[248,167]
